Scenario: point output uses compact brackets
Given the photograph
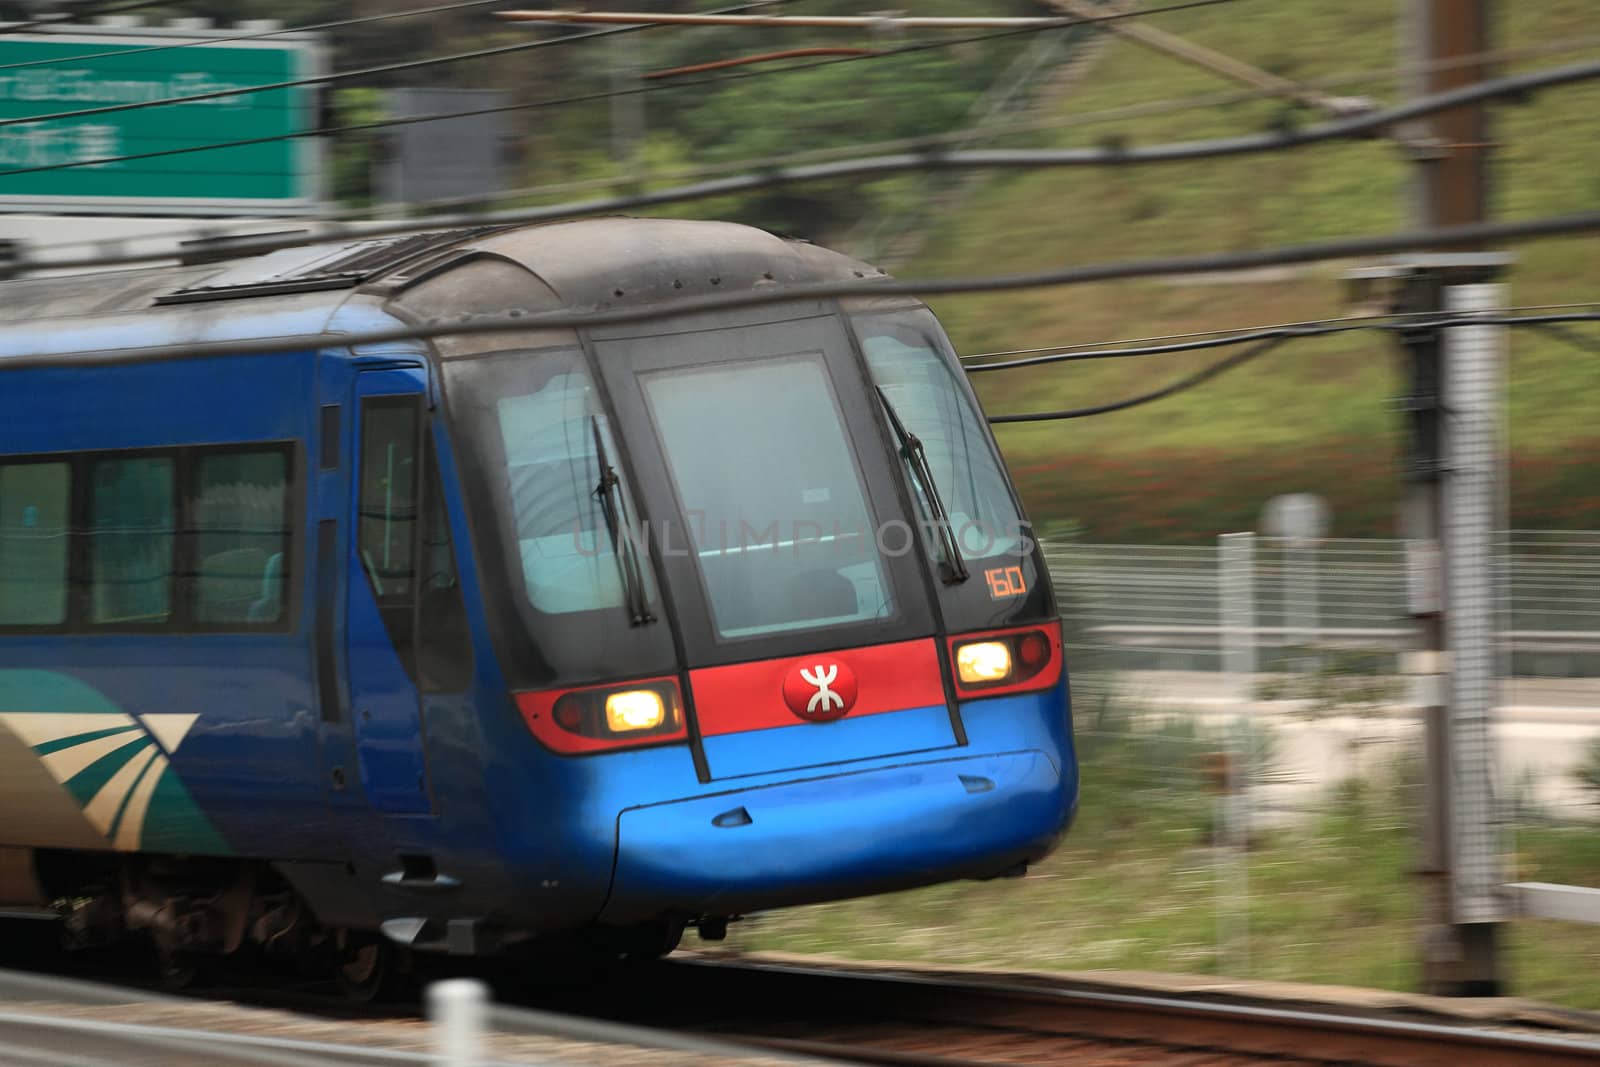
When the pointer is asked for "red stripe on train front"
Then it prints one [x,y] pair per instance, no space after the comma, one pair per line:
[817,687]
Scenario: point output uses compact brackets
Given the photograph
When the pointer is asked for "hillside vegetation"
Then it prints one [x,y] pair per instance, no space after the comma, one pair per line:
[1316,415]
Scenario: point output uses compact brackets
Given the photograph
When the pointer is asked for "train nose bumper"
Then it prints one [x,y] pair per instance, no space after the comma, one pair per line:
[837,836]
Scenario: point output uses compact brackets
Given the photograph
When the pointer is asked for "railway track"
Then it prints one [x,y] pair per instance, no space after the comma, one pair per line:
[929,1018]
[723,1007]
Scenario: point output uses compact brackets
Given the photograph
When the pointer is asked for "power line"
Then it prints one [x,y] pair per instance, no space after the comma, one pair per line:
[235,38]
[1352,127]
[1228,363]
[1542,323]
[1189,382]
[1270,333]
[1548,323]
[1475,234]
[1109,114]
[1576,340]
[1159,107]
[434,61]
[783,22]
[1117,347]
[380,124]
[1152,108]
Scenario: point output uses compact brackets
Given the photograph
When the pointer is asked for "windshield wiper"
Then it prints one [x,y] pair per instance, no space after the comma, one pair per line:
[612,504]
[917,460]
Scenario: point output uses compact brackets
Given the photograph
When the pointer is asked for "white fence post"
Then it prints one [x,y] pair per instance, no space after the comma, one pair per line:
[1302,615]
[459,1012]
[1237,588]
[1236,573]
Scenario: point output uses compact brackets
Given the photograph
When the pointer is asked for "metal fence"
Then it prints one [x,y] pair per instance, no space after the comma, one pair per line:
[1309,640]
[1159,607]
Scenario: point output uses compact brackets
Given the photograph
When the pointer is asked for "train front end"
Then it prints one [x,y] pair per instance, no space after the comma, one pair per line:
[773,621]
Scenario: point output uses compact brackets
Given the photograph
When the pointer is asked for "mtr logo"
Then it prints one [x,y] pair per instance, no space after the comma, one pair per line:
[819,690]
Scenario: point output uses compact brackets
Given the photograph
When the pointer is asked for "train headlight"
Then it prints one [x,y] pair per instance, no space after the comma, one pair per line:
[600,718]
[634,709]
[1007,661]
[983,661]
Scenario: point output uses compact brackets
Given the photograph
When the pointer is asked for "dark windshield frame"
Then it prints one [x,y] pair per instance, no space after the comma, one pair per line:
[706,342]
[540,649]
[972,604]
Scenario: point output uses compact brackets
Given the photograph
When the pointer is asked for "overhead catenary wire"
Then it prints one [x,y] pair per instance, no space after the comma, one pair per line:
[967,134]
[1152,108]
[1280,333]
[254,35]
[1267,341]
[963,135]
[1576,340]
[458,57]
[774,164]
[380,124]
[1351,127]
[1475,234]
[1200,377]
[786,22]
[1117,346]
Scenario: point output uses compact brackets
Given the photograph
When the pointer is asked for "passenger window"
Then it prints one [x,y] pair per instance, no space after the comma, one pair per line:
[386,533]
[34,504]
[131,539]
[241,524]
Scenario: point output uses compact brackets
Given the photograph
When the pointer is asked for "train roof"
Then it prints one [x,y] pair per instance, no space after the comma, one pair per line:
[591,264]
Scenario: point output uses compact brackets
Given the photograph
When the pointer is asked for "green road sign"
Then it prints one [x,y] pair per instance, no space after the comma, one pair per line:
[42,74]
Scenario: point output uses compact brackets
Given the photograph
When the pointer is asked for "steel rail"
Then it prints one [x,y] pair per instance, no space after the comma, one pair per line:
[179,1037]
[568,1027]
[1239,1026]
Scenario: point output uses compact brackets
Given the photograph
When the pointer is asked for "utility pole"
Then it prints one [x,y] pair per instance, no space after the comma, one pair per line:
[1451,150]
[1452,506]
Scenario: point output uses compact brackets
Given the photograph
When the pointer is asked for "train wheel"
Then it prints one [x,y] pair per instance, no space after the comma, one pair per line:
[177,970]
[365,967]
[652,941]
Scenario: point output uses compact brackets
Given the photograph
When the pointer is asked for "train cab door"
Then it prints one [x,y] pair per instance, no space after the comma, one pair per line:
[380,634]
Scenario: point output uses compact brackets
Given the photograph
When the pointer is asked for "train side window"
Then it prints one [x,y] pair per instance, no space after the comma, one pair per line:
[132,537]
[35,502]
[239,507]
[387,509]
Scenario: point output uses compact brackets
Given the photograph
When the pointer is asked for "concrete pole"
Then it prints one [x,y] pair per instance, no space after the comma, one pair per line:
[1451,507]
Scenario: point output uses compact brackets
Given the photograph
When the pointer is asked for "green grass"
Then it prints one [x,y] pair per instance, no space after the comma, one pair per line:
[1138,885]
[1312,391]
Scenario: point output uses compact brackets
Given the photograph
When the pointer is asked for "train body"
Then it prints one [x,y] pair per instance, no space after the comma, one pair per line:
[469,641]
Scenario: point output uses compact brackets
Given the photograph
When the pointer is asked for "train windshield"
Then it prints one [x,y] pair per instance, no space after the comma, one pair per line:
[553,509]
[909,362]
[558,449]
[777,514]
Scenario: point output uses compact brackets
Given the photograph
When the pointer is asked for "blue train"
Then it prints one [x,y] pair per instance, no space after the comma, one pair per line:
[476,644]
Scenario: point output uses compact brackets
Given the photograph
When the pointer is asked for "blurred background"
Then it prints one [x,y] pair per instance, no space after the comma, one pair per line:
[1231,561]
